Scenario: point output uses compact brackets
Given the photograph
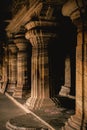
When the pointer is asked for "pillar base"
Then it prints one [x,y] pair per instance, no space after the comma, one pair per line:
[3,86]
[25,122]
[38,103]
[65,91]
[20,92]
[11,87]
[75,123]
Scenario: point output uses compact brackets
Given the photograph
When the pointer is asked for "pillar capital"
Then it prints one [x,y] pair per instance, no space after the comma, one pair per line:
[37,33]
[77,12]
[20,41]
[12,47]
[73,8]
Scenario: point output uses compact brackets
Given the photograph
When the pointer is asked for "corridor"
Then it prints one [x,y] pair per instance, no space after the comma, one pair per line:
[43,64]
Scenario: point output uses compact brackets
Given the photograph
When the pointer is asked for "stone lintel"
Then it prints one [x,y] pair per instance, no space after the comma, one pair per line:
[22,17]
[34,24]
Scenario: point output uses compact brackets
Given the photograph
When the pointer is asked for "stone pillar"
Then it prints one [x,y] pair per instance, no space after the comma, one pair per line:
[79,120]
[65,90]
[40,88]
[0,76]
[22,66]
[4,77]
[1,72]
[9,69]
[12,67]
[5,65]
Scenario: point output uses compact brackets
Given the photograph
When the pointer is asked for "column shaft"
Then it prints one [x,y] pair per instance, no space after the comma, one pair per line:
[65,90]
[79,120]
[40,89]
[23,87]
[4,71]
[81,72]
[12,70]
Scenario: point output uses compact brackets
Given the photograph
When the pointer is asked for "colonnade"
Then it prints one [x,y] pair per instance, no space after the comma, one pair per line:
[39,31]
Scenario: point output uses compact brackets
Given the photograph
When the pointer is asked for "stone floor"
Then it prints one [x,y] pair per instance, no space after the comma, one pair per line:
[8,110]
[55,117]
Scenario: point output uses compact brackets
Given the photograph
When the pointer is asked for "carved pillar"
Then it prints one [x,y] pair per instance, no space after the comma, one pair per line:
[4,68]
[9,70]
[0,69]
[3,73]
[65,90]
[0,76]
[1,55]
[79,120]
[22,66]
[12,67]
[40,89]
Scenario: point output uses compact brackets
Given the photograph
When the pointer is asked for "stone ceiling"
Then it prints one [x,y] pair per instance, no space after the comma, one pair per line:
[4,15]
[6,10]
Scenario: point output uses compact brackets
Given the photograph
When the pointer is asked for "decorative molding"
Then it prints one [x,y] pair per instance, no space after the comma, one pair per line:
[34,24]
[22,17]
[37,35]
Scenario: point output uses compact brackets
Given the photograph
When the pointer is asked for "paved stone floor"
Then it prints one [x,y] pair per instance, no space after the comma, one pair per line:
[55,117]
[8,110]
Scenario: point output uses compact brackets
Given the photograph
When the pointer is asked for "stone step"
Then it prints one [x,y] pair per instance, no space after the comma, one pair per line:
[25,122]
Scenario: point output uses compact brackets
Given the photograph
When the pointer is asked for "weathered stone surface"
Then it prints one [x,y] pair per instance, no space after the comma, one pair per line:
[79,121]
[65,90]
[12,67]
[22,67]
[20,123]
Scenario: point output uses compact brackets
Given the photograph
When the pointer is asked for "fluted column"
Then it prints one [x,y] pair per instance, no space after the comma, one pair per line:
[77,12]
[22,66]
[12,67]
[1,74]
[0,71]
[40,89]
[5,64]
[65,90]
[4,74]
